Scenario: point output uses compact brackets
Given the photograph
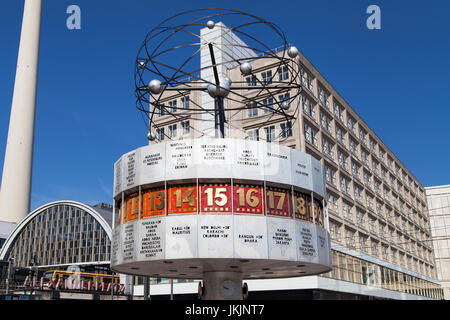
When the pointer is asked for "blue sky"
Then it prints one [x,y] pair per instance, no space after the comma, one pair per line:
[396,78]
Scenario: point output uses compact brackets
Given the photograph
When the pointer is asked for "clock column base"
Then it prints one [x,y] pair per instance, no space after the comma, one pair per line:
[222,285]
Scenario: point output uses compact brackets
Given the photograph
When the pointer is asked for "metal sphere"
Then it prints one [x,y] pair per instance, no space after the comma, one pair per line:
[246,68]
[155,86]
[285,105]
[222,91]
[293,52]
[142,64]
[210,24]
[151,136]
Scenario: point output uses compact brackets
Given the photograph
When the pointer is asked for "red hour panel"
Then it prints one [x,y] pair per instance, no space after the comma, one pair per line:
[302,206]
[248,199]
[132,208]
[153,203]
[182,199]
[278,202]
[215,198]
[318,212]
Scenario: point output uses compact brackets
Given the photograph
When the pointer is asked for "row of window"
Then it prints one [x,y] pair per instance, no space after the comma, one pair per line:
[266,105]
[267,77]
[271,133]
[352,269]
[391,199]
[365,139]
[172,130]
[373,182]
[172,106]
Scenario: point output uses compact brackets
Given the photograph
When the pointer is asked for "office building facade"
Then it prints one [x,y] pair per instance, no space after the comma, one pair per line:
[377,209]
[438,198]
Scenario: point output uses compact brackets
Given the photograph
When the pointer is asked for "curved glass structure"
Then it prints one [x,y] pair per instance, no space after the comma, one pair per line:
[60,233]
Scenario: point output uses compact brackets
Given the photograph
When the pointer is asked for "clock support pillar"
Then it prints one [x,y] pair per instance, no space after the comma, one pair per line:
[222,285]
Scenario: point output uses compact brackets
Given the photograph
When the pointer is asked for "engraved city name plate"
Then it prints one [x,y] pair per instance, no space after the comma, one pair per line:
[250,237]
[152,163]
[277,163]
[324,246]
[116,246]
[131,169]
[129,236]
[213,157]
[301,170]
[151,239]
[215,236]
[180,160]
[306,242]
[281,234]
[181,237]
[318,177]
[118,177]
[248,160]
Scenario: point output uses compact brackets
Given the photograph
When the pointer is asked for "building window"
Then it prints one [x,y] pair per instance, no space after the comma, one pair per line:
[283,73]
[376,185]
[345,185]
[325,121]
[360,217]
[381,154]
[362,136]
[353,147]
[323,97]
[286,129]
[332,201]
[252,110]
[364,157]
[340,135]
[185,102]
[284,97]
[355,170]
[251,81]
[172,106]
[351,124]
[160,109]
[266,77]
[330,175]
[186,127]
[160,133]
[253,134]
[379,209]
[372,145]
[363,244]
[347,211]
[268,104]
[310,134]
[270,133]
[366,177]
[307,80]
[338,112]
[342,159]
[172,131]
[327,147]
[369,202]
[308,107]
[374,166]
[350,237]
[335,231]
[389,163]
[358,193]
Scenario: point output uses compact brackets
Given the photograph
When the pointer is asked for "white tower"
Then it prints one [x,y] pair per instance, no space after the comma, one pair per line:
[17,168]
